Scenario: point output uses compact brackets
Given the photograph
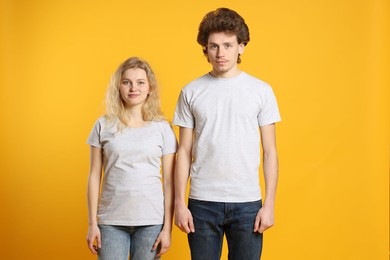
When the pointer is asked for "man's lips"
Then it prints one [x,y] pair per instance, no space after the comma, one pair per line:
[221,62]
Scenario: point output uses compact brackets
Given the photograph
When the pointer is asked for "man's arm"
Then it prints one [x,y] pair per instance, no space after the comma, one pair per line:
[183,217]
[265,216]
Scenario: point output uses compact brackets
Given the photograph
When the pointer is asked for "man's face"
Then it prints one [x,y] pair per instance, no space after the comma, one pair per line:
[222,51]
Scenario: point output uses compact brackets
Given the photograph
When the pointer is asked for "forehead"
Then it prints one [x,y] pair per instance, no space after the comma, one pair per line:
[222,37]
[136,73]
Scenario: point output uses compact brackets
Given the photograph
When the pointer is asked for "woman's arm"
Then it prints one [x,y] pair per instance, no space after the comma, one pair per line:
[164,238]
[95,174]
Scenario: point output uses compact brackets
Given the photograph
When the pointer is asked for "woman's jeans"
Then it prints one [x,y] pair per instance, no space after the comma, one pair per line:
[118,241]
[214,219]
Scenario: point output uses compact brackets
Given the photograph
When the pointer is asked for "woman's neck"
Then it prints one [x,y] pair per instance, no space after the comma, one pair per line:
[135,118]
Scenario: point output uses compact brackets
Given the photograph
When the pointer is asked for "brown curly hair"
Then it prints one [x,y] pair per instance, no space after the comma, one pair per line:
[223,20]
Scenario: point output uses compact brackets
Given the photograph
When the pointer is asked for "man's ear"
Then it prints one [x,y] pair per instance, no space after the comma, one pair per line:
[241,48]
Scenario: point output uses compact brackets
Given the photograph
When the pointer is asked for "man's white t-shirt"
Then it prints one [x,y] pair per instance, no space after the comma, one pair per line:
[225,114]
[132,192]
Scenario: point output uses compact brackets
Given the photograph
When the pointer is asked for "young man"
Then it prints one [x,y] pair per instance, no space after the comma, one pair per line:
[219,115]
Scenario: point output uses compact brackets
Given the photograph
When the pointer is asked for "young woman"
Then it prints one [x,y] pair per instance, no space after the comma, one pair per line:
[129,210]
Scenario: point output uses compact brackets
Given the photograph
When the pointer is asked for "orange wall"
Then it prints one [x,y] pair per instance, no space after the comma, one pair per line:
[328,62]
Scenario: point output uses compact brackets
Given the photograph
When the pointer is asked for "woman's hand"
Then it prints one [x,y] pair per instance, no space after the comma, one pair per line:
[94,239]
[163,242]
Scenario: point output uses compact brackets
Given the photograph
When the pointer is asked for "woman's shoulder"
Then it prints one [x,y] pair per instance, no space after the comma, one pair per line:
[163,124]
[104,122]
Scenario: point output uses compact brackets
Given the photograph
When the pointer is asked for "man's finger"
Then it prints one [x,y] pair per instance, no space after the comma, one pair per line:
[191,225]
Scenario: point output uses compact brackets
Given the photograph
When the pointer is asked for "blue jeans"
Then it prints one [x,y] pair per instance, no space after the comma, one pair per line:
[118,241]
[212,220]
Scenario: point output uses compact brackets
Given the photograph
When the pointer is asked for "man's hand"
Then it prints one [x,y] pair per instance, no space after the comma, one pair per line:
[264,219]
[183,219]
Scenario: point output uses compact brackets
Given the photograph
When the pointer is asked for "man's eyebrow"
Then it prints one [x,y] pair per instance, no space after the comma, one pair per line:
[221,43]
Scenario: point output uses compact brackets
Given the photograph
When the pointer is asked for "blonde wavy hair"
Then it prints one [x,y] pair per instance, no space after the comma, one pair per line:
[115,108]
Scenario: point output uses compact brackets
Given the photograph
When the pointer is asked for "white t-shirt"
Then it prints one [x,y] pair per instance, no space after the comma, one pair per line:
[225,114]
[131,192]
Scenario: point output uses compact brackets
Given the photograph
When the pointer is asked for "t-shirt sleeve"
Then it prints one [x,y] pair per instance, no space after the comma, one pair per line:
[269,111]
[183,116]
[170,141]
[94,136]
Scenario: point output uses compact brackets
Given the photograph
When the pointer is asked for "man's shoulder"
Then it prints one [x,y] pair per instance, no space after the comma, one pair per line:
[196,82]
[254,80]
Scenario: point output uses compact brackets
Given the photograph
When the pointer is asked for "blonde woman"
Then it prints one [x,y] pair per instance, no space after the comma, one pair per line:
[129,208]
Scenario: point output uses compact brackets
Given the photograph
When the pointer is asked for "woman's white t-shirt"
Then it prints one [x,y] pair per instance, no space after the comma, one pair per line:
[131,193]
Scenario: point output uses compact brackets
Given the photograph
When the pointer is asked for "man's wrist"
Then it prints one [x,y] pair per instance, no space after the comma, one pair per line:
[269,203]
[180,203]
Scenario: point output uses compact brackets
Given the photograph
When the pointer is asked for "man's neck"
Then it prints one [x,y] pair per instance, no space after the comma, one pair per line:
[226,74]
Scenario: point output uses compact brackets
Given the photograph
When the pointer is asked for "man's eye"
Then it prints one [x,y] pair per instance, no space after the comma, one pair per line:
[213,46]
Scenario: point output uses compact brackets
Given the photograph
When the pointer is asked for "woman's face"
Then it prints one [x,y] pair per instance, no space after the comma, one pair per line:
[134,87]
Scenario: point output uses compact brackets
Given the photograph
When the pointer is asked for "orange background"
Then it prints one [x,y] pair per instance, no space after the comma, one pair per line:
[328,62]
